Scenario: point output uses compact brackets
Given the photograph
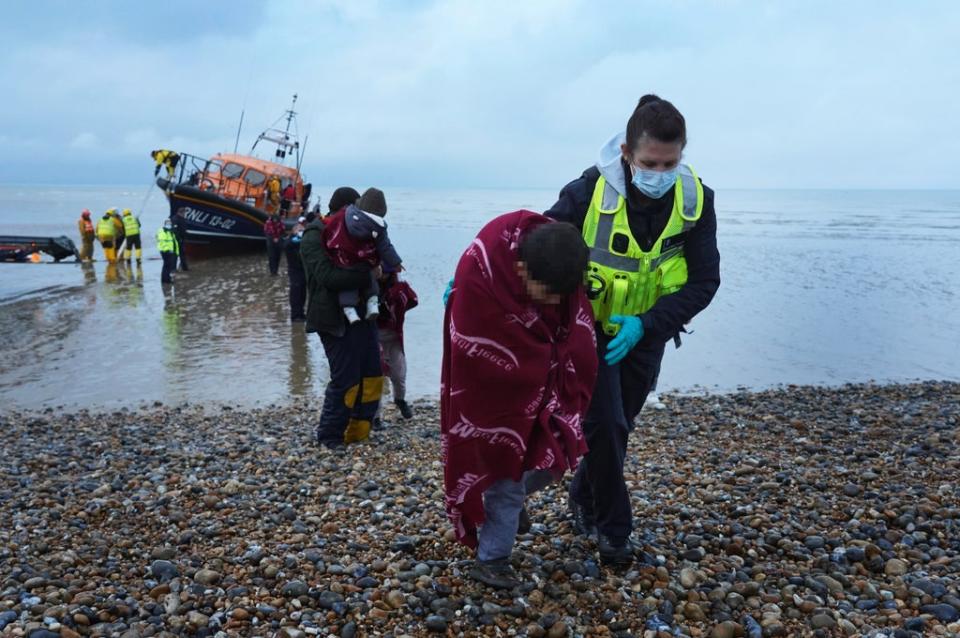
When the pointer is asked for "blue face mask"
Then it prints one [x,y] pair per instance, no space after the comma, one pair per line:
[654,184]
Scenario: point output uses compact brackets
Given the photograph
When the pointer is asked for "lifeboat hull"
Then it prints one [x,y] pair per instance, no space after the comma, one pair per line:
[215,225]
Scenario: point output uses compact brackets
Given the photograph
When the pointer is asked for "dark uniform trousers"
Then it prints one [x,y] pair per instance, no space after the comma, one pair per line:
[356,383]
[621,390]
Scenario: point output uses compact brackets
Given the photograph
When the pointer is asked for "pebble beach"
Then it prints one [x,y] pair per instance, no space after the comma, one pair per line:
[799,511]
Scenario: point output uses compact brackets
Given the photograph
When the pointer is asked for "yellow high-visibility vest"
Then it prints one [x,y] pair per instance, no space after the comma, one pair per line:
[130,225]
[167,242]
[105,228]
[629,281]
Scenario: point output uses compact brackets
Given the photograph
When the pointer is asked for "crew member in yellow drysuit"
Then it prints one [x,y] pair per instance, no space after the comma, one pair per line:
[107,234]
[131,229]
[165,158]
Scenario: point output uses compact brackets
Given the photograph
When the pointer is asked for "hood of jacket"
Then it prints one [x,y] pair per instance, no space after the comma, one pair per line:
[362,225]
[609,163]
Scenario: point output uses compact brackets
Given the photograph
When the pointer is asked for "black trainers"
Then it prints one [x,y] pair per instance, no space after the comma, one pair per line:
[615,551]
[404,408]
[332,445]
[498,574]
[524,526]
[583,522]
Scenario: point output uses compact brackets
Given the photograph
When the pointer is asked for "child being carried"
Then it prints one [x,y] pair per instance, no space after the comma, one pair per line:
[356,238]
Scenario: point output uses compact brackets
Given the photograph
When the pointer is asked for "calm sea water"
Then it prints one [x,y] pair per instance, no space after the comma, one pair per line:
[819,287]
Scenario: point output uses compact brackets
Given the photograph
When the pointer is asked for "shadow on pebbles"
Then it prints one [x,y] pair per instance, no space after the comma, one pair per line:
[795,512]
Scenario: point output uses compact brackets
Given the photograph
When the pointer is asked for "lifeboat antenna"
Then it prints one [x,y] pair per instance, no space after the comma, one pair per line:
[285,140]
[239,128]
[291,112]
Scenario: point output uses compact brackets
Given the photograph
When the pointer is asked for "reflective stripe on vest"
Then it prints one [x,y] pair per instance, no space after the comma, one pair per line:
[166,241]
[688,194]
[106,229]
[130,225]
[630,281]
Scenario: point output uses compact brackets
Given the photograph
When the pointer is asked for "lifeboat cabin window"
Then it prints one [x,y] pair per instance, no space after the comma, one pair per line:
[254,177]
[232,170]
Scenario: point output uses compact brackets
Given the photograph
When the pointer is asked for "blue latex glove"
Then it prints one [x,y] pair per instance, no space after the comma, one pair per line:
[446,293]
[631,332]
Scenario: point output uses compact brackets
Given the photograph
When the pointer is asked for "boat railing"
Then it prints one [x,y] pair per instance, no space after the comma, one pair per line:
[193,170]
[207,175]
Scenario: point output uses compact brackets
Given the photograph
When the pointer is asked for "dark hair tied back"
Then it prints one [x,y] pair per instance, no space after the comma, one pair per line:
[657,119]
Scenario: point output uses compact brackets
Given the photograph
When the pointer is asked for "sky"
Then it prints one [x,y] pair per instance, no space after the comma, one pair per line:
[491,94]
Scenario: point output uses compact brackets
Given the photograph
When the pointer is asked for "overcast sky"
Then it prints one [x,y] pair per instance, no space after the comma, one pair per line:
[491,93]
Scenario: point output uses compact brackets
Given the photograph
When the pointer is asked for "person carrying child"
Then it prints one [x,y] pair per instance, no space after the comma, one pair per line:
[519,365]
[356,238]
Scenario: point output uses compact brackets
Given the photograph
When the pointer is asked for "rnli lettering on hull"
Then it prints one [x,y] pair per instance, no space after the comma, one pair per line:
[205,218]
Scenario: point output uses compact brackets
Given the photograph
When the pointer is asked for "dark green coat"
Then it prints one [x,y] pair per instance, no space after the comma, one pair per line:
[324,281]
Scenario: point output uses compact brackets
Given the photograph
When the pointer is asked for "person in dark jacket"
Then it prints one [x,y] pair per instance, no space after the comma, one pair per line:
[341,198]
[274,231]
[353,393]
[639,174]
[357,238]
[295,274]
[180,230]
[305,197]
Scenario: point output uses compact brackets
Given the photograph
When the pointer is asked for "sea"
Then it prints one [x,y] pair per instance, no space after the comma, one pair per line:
[818,287]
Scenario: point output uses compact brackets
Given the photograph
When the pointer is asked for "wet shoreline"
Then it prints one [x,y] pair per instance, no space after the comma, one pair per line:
[812,511]
[797,303]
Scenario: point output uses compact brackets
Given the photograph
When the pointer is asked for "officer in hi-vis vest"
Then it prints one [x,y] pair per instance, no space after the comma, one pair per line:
[169,248]
[654,264]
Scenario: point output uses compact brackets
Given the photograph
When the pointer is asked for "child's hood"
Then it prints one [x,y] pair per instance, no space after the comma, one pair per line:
[362,224]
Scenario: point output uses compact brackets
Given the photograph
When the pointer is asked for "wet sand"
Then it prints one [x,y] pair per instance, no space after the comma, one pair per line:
[221,334]
[800,512]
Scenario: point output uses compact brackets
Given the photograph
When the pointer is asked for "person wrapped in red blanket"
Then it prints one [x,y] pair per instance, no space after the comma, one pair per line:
[519,365]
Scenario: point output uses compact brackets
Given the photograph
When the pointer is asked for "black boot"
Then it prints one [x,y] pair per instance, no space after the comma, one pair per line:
[583,521]
[615,551]
[404,408]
